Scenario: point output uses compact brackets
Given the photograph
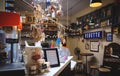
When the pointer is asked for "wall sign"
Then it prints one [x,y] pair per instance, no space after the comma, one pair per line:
[109,36]
[92,35]
[51,55]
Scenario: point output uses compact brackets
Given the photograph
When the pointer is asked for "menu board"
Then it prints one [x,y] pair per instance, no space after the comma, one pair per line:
[51,55]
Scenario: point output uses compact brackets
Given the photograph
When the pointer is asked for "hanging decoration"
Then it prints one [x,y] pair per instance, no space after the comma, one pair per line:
[37,33]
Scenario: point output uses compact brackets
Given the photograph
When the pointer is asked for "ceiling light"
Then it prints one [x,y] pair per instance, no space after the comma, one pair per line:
[95,3]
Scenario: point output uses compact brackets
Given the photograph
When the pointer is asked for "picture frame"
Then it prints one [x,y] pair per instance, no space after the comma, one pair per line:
[94,46]
[51,55]
[109,36]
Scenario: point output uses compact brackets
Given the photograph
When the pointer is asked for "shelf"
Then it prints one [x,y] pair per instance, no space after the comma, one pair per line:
[97,19]
[50,30]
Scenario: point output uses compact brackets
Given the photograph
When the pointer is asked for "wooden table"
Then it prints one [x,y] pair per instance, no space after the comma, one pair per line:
[86,55]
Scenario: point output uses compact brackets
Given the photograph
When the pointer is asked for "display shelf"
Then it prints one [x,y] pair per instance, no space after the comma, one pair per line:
[50,30]
[26,34]
[71,34]
[73,30]
[97,19]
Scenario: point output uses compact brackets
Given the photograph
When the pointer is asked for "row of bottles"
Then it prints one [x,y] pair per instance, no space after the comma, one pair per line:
[96,19]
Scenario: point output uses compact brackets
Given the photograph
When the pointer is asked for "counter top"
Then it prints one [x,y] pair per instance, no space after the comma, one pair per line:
[12,66]
[55,71]
[12,69]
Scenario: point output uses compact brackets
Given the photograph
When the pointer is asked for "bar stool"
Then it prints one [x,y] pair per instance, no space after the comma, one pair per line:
[93,66]
[94,70]
[104,71]
[79,66]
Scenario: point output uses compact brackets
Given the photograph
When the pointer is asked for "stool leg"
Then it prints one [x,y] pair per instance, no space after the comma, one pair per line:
[93,72]
[79,68]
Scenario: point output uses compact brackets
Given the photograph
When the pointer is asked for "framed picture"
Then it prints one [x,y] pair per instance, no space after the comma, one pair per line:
[51,55]
[109,36]
[94,46]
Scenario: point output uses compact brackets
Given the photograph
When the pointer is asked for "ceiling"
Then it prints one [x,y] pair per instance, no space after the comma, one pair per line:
[74,6]
[69,7]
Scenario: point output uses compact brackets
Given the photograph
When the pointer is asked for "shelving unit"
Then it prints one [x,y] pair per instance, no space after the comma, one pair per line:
[27,30]
[73,30]
[107,16]
[97,19]
[26,34]
[50,30]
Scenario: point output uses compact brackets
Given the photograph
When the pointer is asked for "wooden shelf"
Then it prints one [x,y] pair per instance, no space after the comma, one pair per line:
[97,19]
[50,30]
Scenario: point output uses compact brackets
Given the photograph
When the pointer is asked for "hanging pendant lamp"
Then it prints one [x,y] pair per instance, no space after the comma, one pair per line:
[95,3]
